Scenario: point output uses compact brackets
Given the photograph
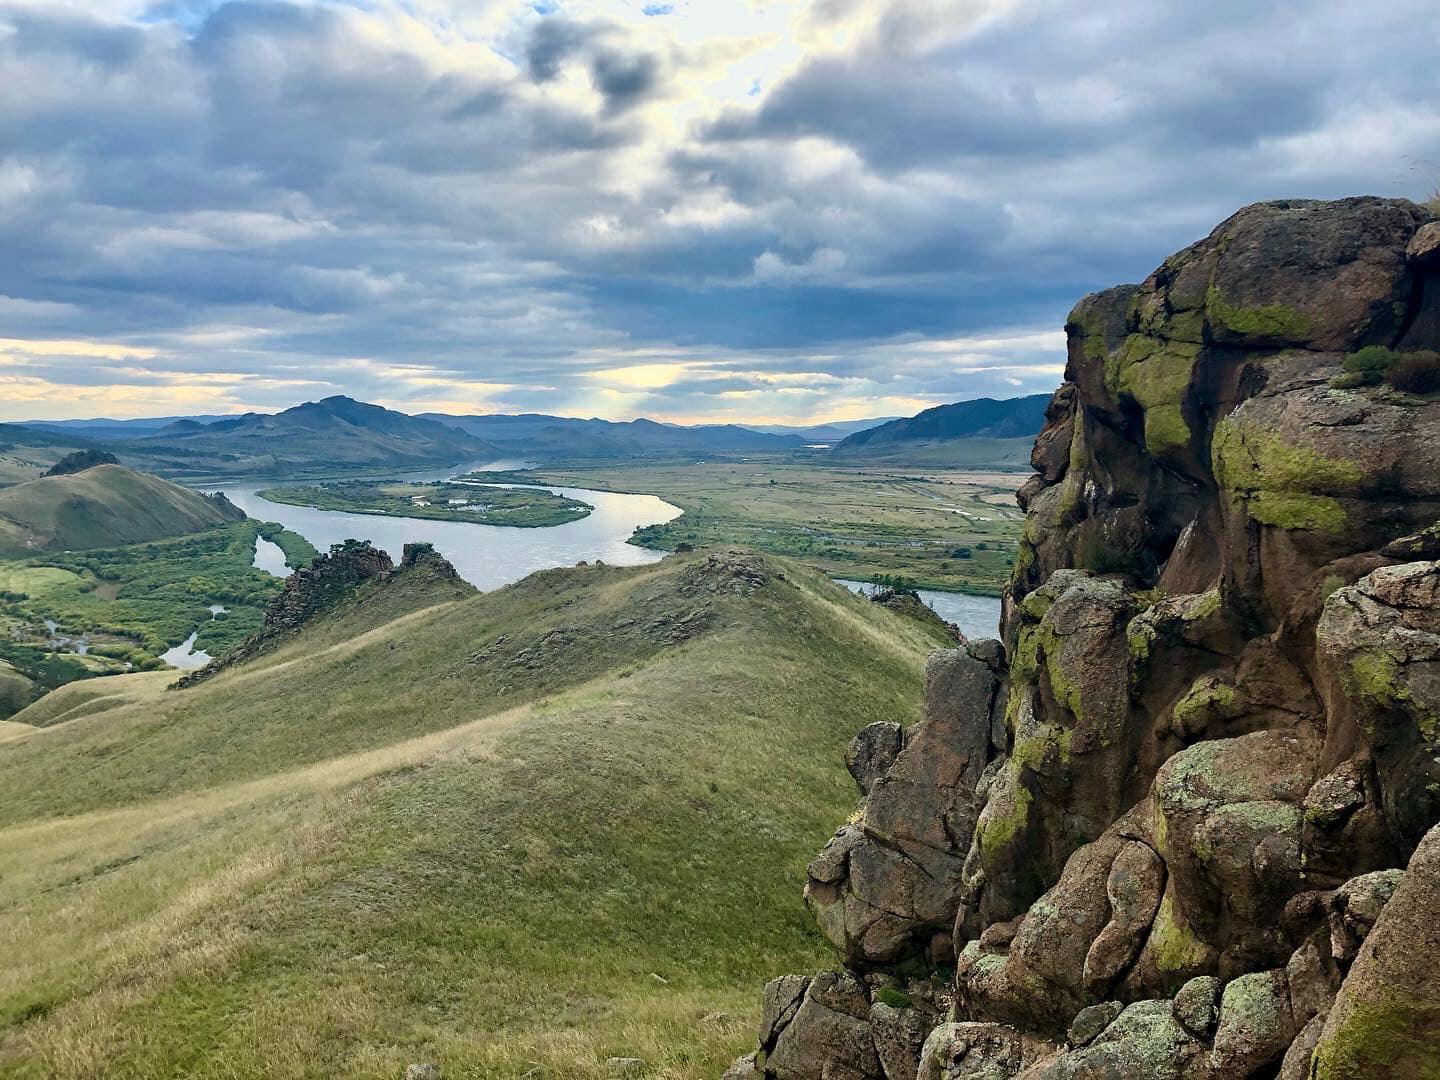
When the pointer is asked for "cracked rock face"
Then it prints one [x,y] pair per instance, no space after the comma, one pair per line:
[1166,834]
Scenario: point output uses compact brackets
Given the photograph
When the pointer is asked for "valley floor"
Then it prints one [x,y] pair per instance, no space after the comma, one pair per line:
[939,529]
[514,833]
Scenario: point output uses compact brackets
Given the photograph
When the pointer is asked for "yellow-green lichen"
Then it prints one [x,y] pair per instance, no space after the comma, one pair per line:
[1268,322]
[999,825]
[1205,697]
[1394,1036]
[1247,461]
[1141,635]
[1207,605]
[1173,944]
[1375,677]
[1031,749]
[1292,510]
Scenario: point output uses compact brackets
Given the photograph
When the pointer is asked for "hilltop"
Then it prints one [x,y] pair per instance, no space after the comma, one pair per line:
[515,833]
[1182,823]
[102,506]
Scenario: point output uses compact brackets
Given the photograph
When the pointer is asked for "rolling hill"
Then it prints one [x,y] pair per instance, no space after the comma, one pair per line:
[337,433]
[104,506]
[515,834]
[968,433]
[26,452]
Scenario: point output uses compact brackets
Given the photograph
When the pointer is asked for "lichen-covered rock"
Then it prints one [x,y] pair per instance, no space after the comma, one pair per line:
[1354,908]
[1256,1025]
[1090,1021]
[971,1052]
[1197,1005]
[1144,1041]
[1379,648]
[1386,1018]
[873,751]
[1296,1063]
[899,1035]
[743,1068]
[1214,735]
[779,1004]
[888,887]
[829,1036]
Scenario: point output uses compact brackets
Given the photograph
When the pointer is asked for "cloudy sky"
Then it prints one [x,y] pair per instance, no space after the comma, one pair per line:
[692,209]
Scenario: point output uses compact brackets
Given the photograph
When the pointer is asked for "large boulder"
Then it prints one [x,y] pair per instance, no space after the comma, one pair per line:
[1386,1018]
[888,888]
[1378,645]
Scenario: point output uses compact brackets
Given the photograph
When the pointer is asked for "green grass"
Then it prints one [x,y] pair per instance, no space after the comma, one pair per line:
[514,857]
[526,508]
[16,690]
[135,602]
[936,529]
[101,507]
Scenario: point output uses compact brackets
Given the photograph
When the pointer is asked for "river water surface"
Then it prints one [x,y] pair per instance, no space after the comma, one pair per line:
[489,556]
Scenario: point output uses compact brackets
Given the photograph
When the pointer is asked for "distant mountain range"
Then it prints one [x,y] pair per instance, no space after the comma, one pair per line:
[1000,431]
[339,434]
[538,435]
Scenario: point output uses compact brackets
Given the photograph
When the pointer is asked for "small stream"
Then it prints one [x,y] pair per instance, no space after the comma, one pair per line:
[185,656]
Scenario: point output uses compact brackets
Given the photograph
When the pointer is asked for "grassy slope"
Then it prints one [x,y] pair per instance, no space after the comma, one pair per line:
[15,690]
[102,507]
[849,522]
[445,833]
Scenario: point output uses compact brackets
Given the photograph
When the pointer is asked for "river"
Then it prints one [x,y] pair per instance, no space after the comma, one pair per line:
[489,556]
[977,616]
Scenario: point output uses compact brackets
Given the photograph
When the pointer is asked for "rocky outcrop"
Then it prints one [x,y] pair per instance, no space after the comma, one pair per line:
[316,589]
[1168,819]
[80,460]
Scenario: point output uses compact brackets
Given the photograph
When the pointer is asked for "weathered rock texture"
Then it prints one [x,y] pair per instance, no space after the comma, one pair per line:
[324,584]
[1162,832]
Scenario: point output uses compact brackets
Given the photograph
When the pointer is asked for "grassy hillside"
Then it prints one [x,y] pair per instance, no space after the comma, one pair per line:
[27,452]
[106,506]
[15,690]
[513,833]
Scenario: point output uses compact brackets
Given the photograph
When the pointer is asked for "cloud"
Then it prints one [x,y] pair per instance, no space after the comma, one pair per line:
[785,211]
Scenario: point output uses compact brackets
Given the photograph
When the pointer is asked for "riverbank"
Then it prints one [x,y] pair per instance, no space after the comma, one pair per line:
[952,531]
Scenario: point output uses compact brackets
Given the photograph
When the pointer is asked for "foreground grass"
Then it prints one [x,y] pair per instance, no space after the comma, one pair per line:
[515,834]
[942,530]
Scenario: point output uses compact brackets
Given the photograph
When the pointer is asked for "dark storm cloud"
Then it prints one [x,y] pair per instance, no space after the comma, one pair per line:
[292,189]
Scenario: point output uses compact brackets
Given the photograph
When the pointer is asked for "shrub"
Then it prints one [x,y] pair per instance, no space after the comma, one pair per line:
[1409,372]
[1415,373]
[1370,363]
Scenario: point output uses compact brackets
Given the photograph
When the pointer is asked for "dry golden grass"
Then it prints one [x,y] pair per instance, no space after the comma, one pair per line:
[515,883]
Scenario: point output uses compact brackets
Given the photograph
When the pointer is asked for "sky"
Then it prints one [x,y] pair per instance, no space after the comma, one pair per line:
[694,210]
